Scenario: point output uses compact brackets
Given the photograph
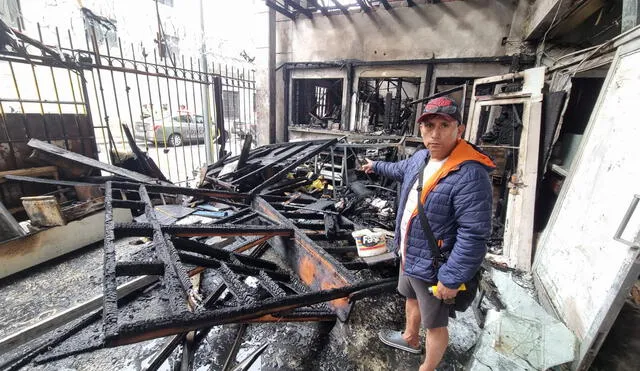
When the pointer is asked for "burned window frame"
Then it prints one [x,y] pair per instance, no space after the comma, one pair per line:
[409,117]
[332,102]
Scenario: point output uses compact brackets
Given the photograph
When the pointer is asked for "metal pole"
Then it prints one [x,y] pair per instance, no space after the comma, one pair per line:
[205,93]
[272,77]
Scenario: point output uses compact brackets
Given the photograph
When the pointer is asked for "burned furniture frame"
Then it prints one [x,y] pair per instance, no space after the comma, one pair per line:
[522,184]
[323,278]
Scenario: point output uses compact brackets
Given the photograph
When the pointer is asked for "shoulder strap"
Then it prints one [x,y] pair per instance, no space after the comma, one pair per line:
[431,239]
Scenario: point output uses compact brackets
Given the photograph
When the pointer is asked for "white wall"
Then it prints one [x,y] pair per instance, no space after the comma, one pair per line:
[444,30]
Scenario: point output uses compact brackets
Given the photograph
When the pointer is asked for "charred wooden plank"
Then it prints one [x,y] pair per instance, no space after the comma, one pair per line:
[174,324]
[146,230]
[77,158]
[317,269]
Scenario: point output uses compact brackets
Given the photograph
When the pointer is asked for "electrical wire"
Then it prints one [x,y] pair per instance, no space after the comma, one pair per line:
[553,23]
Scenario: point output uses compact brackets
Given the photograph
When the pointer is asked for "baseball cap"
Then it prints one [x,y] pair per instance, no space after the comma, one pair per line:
[443,106]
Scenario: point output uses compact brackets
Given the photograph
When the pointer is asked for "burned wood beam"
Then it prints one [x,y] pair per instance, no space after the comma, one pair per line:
[235,285]
[224,230]
[233,217]
[317,269]
[88,161]
[153,328]
[271,286]
[242,246]
[166,350]
[217,253]
[128,204]
[149,166]
[282,173]
[66,183]
[238,269]
[299,8]
[220,183]
[301,315]
[110,297]
[176,280]
[302,216]
[386,4]
[320,7]
[364,6]
[244,154]
[169,189]
[246,218]
[271,164]
[278,8]
[387,287]
[342,8]
[154,268]
[339,250]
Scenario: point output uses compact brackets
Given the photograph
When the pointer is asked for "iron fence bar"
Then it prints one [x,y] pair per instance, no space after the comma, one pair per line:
[82,84]
[71,103]
[144,129]
[195,115]
[24,114]
[115,96]
[104,104]
[202,77]
[217,99]
[153,120]
[204,98]
[195,108]
[173,129]
[127,89]
[57,95]
[194,123]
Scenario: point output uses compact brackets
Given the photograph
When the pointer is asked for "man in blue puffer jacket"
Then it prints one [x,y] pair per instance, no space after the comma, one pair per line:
[456,195]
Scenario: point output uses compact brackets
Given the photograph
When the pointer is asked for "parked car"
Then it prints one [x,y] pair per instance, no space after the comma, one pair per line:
[183,128]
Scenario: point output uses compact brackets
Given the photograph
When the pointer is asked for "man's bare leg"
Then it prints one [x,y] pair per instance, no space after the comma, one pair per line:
[437,341]
[411,332]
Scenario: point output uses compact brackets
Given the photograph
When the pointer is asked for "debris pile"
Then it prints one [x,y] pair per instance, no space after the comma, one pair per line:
[265,239]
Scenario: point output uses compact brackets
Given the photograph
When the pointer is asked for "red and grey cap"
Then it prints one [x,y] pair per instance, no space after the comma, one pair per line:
[443,106]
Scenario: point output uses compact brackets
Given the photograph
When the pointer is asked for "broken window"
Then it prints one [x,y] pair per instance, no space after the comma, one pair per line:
[317,102]
[383,104]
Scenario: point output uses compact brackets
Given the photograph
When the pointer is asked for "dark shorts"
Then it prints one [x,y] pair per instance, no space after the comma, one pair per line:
[434,312]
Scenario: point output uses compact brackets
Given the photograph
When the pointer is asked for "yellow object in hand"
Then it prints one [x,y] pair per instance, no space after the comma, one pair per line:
[434,289]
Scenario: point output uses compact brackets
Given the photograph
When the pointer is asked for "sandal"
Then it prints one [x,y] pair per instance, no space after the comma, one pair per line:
[394,339]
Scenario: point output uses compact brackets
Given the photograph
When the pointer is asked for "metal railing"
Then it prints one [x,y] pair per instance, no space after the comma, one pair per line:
[162,100]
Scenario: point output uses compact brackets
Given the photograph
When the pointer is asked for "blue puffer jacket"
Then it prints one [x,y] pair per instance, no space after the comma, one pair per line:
[458,209]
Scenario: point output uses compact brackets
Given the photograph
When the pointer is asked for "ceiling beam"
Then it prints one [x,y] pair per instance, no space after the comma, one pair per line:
[386,4]
[278,8]
[364,6]
[341,7]
[320,7]
[299,8]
